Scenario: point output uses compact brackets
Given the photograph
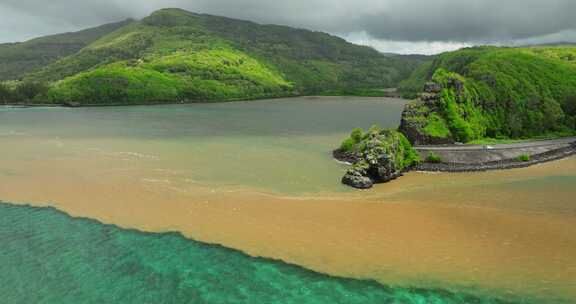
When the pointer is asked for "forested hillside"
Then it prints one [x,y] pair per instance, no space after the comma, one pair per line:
[490,92]
[19,59]
[178,56]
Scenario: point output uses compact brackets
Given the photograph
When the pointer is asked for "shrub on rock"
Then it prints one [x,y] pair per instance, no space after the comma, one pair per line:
[381,156]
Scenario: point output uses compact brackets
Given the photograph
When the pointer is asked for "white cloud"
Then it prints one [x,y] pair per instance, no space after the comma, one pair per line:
[404,47]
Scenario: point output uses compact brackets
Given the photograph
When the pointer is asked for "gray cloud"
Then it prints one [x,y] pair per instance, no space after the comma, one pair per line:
[384,23]
[470,20]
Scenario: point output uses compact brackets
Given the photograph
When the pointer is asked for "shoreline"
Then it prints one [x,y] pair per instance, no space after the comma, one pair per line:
[505,164]
[456,167]
[79,105]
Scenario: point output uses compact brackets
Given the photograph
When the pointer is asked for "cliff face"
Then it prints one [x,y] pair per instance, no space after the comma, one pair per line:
[449,110]
[419,115]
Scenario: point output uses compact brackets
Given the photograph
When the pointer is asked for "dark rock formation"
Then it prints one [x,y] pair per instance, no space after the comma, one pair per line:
[416,114]
[432,87]
[71,104]
[349,157]
[380,159]
[384,155]
[357,177]
[414,120]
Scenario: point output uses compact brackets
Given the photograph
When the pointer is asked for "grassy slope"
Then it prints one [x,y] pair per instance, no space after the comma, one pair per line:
[18,59]
[192,57]
[506,93]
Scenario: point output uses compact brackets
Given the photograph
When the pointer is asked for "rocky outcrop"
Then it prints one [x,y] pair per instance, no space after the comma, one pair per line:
[415,117]
[432,87]
[349,157]
[382,156]
[358,177]
[413,124]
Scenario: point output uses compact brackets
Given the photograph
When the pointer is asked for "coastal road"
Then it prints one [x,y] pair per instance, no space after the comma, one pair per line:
[471,154]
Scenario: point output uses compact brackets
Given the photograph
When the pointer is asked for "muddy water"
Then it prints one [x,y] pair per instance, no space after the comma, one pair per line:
[258,177]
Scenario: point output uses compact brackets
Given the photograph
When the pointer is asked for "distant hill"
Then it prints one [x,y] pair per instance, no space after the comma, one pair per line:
[493,92]
[178,56]
[559,43]
[19,59]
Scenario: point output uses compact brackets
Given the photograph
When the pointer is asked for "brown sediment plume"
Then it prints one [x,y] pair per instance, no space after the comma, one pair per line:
[425,230]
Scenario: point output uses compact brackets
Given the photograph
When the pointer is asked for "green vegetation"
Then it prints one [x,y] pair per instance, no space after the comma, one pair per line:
[411,87]
[496,141]
[436,126]
[564,53]
[524,158]
[458,111]
[392,142]
[410,157]
[433,158]
[350,143]
[490,92]
[5,93]
[315,62]
[19,59]
[178,56]
[218,74]
[23,92]
[503,140]
[381,155]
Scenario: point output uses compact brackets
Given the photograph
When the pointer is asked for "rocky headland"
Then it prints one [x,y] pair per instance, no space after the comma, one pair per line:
[429,139]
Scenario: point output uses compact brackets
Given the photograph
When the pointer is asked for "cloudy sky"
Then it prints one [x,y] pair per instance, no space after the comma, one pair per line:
[402,26]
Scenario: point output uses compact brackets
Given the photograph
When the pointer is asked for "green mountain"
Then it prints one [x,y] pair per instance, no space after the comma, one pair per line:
[178,56]
[19,59]
[491,92]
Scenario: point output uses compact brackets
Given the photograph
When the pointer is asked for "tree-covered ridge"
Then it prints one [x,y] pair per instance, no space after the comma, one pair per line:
[458,62]
[19,59]
[167,57]
[178,56]
[314,61]
[493,92]
[218,74]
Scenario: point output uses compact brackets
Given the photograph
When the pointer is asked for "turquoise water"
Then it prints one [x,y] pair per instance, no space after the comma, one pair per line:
[49,257]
